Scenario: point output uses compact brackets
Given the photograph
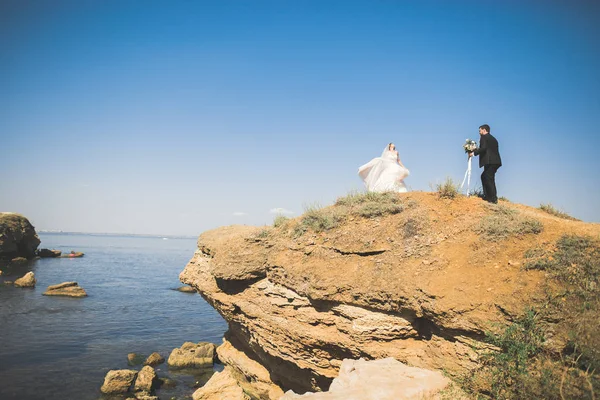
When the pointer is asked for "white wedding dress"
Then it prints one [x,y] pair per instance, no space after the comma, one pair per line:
[384,174]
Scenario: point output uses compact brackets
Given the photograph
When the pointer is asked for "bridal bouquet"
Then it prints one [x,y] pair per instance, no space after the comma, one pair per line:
[469,145]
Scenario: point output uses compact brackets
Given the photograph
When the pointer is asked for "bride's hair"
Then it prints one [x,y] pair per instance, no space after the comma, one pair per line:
[390,145]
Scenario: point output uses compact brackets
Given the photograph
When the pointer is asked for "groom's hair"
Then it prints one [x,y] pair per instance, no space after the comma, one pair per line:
[486,127]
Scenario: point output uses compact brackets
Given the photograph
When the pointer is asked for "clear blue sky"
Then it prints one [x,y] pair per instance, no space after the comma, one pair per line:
[173,117]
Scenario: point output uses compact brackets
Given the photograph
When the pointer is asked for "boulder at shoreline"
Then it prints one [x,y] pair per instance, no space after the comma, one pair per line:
[192,355]
[17,237]
[26,281]
[118,381]
[154,359]
[383,379]
[70,289]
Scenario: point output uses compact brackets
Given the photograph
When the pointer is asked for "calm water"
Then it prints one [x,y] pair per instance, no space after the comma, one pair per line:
[61,348]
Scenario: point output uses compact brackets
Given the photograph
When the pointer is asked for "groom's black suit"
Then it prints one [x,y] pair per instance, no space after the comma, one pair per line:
[489,159]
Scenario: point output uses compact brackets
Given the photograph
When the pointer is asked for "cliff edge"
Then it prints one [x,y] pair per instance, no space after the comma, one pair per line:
[411,276]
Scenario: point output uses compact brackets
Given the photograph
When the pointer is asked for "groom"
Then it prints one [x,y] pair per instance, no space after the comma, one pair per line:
[489,159]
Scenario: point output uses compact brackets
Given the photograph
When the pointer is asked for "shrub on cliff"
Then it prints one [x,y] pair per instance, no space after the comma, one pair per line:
[448,189]
[319,219]
[549,208]
[280,220]
[505,222]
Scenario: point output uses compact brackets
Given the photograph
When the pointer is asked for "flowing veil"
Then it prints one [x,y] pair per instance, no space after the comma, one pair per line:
[383,174]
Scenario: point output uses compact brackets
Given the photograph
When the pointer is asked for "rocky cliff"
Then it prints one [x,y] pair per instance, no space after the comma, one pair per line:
[413,276]
[17,236]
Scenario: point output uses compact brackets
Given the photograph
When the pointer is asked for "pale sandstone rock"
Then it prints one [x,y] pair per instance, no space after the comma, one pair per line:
[27,280]
[192,355]
[221,386]
[252,376]
[118,381]
[385,379]
[146,380]
[69,289]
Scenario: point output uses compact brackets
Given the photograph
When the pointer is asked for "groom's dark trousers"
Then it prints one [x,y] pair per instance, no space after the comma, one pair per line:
[489,159]
[488,182]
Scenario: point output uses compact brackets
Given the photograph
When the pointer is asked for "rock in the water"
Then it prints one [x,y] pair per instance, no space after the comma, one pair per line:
[154,359]
[222,385]
[118,381]
[187,289]
[167,383]
[384,379]
[192,355]
[134,359]
[19,260]
[28,280]
[146,380]
[48,253]
[17,237]
[70,289]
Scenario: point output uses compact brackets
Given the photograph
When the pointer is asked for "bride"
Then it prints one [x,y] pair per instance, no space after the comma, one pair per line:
[385,173]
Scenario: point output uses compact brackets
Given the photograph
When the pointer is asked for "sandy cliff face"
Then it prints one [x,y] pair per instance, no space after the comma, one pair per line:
[421,285]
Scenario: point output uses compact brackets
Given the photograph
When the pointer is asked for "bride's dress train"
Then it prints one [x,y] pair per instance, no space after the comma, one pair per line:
[384,174]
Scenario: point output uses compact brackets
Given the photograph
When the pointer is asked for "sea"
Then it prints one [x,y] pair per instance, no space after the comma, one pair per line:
[59,348]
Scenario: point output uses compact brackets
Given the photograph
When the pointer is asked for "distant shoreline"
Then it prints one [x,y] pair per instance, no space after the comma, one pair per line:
[118,234]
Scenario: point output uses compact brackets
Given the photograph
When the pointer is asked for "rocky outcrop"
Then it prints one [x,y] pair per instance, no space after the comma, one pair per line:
[385,379]
[17,237]
[421,286]
[48,253]
[69,289]
[118,381]
[26,281]
[192,355]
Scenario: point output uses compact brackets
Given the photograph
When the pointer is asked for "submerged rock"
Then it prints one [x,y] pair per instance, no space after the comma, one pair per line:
[134,359]
[70,289]
[27,280]
[167,383]
[154,359]
[384,379]
[118,381]
[192,355]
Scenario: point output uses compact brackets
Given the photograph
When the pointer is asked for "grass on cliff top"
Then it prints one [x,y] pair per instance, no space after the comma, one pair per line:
[448,189]
[505,222]
[523,367]
[549,208]
[365,205]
